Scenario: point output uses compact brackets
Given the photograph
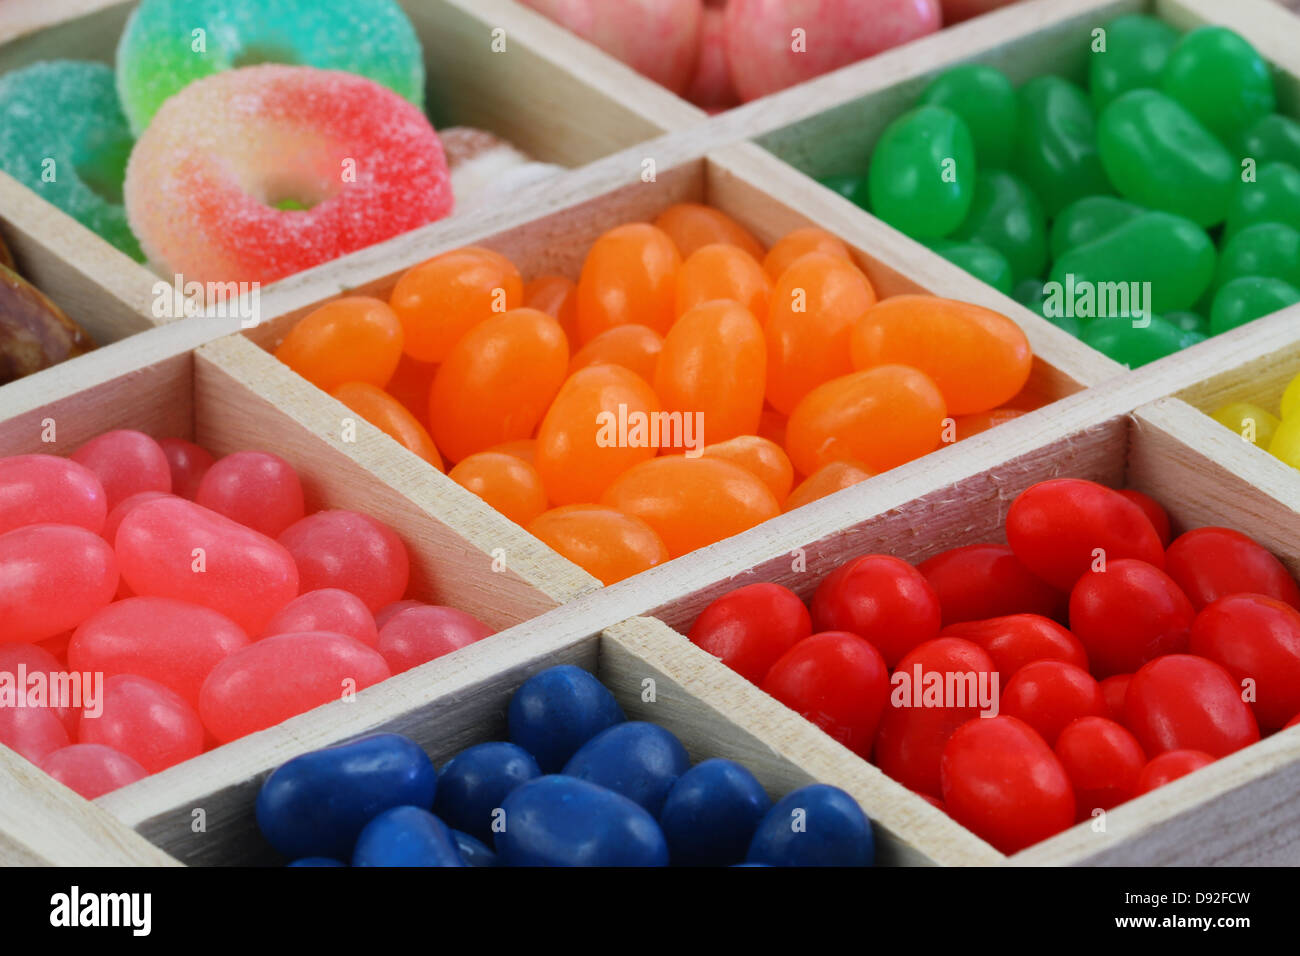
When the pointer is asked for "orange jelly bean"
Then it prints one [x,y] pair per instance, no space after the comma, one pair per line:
[410,385]
[880,417]
[713,364]
[813,308]
[723,272]
[826,480]
[968,425]
[525,448]
[628,278]
[692,225]
[606,543]
[390,417]
[441,299]
[772,425]
[497,382]
[978,357]
[798,244]
[761,457]
[508,484]
[596,429]
[557,296]
[634,347]
[355,339]
[692,502]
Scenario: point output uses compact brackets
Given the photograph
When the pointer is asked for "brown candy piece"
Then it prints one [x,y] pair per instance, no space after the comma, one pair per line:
[34,332]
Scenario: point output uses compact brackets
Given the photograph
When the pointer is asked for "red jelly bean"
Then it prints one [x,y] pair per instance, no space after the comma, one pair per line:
[390,611]
[44,489]
[838,681]
[1210,563]
[421,634]
[259,490]
[748,629]
[1048,695]
[92,770]
[20,661]
[329,609]
[1129,614]
[123,508]
[344,549]
[127,462]
[146,721]
[1168,767]
[1061,528]
[1157,515]
[52,577]
[1115,689]
[32,732]
[1256,638]
[282,676]
[981,581]
[1019,639]
[1182,702]
[188,463]
[1003,782]
[882,599]
[1103,762]
[175,548]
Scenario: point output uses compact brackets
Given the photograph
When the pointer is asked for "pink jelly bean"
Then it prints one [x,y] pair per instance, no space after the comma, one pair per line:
[114,519]
[344,549]
[20,662]
[175,643]
[52,577]
[188,464]
[57,645]
[92,770]
[146,721]
[127,462]
[329,609]
[170,547]
[420,634]
[282,676]
[259,490]
[44,489]
[32,732]
[390,611]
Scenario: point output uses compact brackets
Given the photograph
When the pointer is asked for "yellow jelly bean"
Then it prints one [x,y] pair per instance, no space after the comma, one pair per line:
[1256,425]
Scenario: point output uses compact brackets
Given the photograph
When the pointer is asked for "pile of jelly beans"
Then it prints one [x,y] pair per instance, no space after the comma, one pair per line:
[200,598]
[578,784]
[1171,168]
[688,386]
[1279,434]
[1022,687]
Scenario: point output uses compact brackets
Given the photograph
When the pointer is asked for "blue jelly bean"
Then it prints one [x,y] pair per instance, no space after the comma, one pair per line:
[557,711]
[563,821]
[817,825]
[317,861]
[406,836]
[639,760]
[472,851]
[711,814]
[316,804]
[475,782]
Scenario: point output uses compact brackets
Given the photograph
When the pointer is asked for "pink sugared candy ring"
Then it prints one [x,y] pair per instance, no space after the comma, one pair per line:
[254,174]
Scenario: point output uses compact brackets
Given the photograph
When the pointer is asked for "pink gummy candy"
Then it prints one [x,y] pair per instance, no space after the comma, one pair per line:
[329,609]
[259,490]
[127,462]
[92,770]
[390,611]
[420,634]
[114,519]
[44,489]
[52,577]
[18,664]
[146,721]
[170,547]
[352,551]
[279,677]
[172,642]
[188,463]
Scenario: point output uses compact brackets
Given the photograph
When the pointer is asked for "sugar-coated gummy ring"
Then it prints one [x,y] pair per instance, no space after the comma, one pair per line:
[63,135]
[168,44]
[254,174]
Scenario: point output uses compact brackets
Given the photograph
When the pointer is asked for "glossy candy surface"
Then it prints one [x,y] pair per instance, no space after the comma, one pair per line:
[348,550]
[835,833]
[474,784]
[554,713]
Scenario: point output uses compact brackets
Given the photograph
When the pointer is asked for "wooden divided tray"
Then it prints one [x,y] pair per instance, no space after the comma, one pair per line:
[208,380]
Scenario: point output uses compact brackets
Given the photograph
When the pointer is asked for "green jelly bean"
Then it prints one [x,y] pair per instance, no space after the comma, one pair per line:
[1056,144]
[1066,323]
[1089,218]
[980,260]
[1132,345]
[922,174]
[1029,293]
[1159,155]
[1135,53]
[1274,139]
[986,100]
[1188,321]
[1265,249]
[1172,253]
[1249,298]
[853,187]
[1221,79]
[1005,214]
[1273,196]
